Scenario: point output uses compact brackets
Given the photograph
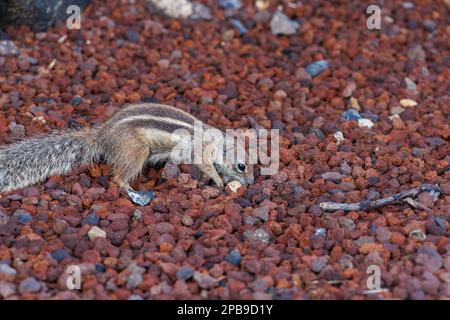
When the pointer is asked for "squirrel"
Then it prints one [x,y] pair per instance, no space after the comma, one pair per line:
[135,136]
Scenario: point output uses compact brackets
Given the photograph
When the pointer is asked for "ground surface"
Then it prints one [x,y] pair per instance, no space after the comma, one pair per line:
[179,246]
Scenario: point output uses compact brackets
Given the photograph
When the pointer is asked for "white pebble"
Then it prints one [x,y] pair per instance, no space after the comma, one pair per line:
[96,232]
[339,136]
[365,123]
[408,103]
[234,186]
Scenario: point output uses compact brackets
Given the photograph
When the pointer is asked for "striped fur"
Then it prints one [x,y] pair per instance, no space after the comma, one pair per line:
[137,135]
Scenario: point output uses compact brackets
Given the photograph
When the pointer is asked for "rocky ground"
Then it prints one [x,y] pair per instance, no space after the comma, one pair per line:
[369,121]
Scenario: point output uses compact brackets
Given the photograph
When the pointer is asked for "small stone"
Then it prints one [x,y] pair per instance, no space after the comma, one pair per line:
[321,232]
[317,132]
[262,4]
[172,8]
[24,217]
[234,186]
[60,255]
[261,213]
[435,141]
[354,104]
[238,25]
[427,199]
[132,36]
[29,285]
[364,240]
[230,4]
[91,219]
[7,270]
[281,24]
[96,232]
[185,273]
[7,289]
[234,257]
[416,52]
[134,280]
[135,297]
[200,11]
[418,234]
[301,74]
[137,214]
[7,47]
[339,136]
[429,25]
[350,115]
[408,103]
[258,235]
[163,63]
[333,176]
[397,110]
[346,223]
[205,281]
[410,85]
[365,123]
[170,171]
[317,67]
[319,263]
[349,89]
[77,100]
[187,220]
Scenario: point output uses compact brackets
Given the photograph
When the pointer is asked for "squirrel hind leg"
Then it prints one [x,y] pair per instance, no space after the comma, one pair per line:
[127,167]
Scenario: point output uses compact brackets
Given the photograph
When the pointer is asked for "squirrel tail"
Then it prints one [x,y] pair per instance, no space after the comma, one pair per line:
[33,160]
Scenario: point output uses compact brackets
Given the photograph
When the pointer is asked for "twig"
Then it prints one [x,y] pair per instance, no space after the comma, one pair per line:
[370,205]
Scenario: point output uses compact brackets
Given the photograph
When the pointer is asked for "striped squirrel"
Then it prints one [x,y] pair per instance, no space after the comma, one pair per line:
[137,135]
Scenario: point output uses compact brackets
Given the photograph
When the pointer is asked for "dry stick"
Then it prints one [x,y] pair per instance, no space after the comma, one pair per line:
[369,205]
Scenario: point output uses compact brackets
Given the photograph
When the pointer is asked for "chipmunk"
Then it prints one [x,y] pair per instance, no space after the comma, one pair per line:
[137,135]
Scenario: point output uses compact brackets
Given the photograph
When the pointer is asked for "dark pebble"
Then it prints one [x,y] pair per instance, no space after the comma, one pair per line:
[60,254]
[317,67]
[185,273]
[91,219]
[234,257]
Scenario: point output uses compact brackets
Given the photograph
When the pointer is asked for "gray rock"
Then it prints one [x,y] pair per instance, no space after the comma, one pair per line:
[410,85]
[234,257]
[7,270]
[205,281]
[230,4]
[238,25]
[416,52]
[261,213]
[363,240]
[134,280]
[333,176]
[281,24]
[319,263]
[30,285]
[185,273]
[201,12]
[258,235]
[346,223]
[7,46]
[6,289]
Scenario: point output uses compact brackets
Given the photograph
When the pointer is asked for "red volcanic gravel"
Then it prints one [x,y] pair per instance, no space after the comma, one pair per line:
[270,240]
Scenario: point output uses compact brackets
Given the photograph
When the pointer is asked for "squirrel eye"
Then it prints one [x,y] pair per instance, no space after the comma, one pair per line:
[241,167]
